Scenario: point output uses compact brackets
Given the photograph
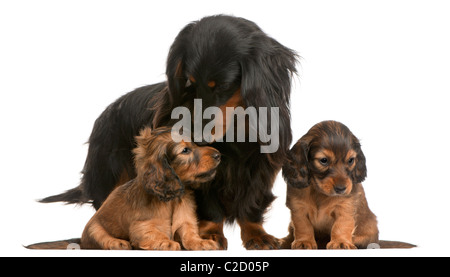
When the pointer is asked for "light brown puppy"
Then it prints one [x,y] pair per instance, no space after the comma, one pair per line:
[327,201]
[156,210]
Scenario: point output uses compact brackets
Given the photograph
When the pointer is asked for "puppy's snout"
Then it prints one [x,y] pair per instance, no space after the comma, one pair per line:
[216,156]
[340,188]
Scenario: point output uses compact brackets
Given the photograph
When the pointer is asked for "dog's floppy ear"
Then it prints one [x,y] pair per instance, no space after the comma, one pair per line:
[267,70]
[295,168]
[154,171]
[360,172]
[176,78]
[161,180]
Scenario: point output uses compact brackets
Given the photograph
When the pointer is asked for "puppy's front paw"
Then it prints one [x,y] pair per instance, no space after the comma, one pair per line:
[304,244]
[168,245]
[118,244]
[160,245]
[201,244]
[336,244]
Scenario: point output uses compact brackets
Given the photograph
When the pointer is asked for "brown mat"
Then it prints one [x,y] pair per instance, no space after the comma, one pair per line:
[74,244]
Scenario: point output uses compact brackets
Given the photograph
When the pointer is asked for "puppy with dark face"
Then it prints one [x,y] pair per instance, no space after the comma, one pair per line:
[158,206]
[328,206]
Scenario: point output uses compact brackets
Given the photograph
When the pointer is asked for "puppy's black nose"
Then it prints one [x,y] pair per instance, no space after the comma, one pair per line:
[216,156]
[339,189]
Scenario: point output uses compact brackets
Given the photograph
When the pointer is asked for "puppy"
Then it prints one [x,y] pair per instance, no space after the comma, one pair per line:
[328,206]
[152,210]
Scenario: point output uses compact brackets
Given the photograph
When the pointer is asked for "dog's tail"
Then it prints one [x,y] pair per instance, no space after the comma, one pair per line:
[69,244]
[72,196]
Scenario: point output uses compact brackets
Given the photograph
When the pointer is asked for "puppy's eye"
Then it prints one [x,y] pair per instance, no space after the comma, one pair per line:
[186,150]
[323,161]
[351,161]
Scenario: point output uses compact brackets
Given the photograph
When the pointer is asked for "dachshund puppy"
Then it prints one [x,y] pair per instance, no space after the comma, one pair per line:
[327,201]
[153,209]
[226,62]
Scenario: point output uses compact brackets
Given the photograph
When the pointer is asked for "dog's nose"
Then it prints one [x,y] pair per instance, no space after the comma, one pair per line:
[339,189]
[216,156]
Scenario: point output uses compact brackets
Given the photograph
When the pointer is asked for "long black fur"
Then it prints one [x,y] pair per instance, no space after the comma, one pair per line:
[238,55]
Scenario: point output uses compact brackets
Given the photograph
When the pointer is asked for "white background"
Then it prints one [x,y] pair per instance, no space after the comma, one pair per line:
[380,67]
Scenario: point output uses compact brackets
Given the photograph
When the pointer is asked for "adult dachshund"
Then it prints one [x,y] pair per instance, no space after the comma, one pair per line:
[226,62]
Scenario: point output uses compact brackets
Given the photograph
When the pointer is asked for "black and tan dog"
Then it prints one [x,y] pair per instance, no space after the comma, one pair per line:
[158,206]
[327,201]
[225,61]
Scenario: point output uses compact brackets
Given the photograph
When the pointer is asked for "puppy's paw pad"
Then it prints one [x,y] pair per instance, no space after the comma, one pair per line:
[168,245]
[119,244]
[340,245]
[304,244]
[202,244]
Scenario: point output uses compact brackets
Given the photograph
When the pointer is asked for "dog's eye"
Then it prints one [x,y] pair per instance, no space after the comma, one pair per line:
[223,87]
[323,161]
[186,150]
[351,161]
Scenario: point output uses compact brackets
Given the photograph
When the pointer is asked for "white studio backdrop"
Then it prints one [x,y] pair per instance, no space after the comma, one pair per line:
[380,67]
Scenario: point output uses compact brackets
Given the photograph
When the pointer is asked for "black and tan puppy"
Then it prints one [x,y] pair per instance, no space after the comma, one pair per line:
[327,201]
[158,206]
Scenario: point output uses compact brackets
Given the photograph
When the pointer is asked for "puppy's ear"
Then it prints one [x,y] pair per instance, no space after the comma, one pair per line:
[161,180]
[153,168]
[295,169]
[360,172]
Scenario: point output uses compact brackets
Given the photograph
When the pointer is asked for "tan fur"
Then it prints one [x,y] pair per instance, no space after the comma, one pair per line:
[213,230]
[133,217]
[346,219]
[226,119]
[327,202]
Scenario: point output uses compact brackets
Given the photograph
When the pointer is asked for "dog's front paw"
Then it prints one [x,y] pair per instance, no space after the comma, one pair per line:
[118,244]
[160,245]
[336,244]
[201,244]
[262,242]
[219,239]
[304,244]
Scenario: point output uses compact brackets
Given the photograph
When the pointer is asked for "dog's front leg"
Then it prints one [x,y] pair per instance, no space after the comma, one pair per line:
[184,224]
[342,230]
[152,235]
